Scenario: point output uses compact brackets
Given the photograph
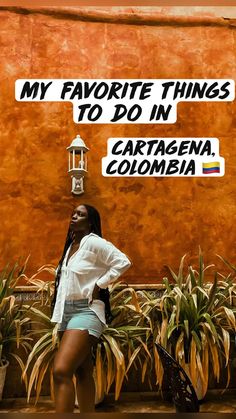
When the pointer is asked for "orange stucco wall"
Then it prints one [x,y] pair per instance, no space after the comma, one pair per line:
[154,220]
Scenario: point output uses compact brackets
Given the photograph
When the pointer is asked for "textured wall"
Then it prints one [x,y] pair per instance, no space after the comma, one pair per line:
[154,220]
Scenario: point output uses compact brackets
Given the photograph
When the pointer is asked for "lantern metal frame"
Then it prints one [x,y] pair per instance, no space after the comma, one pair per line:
[77,164]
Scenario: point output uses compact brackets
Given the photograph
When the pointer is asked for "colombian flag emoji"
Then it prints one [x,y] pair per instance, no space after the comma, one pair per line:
[213,167]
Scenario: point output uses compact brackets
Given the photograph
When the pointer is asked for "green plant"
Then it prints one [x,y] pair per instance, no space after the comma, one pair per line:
[193,320]
[124,343]
[16,318]
[40,359]
[121,345]
[15,323]
[44,288]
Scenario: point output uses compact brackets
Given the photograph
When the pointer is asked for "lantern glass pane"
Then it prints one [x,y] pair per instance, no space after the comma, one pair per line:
[79,162]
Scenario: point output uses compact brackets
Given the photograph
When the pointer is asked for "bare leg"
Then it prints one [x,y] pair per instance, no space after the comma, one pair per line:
[74,348]
[85,386]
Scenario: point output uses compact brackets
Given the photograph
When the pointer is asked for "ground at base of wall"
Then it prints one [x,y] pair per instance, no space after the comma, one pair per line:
[148,402]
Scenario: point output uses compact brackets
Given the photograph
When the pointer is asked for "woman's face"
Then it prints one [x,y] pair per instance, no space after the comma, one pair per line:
[79,219]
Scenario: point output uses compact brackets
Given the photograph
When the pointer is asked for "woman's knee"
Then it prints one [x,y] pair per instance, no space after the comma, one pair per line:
[61,373]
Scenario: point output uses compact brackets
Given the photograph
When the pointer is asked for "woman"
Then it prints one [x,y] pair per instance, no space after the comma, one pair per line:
[88,265]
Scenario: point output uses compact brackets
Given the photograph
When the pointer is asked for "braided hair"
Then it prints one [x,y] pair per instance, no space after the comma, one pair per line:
[95,223]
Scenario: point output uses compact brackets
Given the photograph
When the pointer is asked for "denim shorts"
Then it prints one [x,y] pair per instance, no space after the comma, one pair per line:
[78,315]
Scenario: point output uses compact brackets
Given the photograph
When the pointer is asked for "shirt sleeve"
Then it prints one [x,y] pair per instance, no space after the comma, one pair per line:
[116,262]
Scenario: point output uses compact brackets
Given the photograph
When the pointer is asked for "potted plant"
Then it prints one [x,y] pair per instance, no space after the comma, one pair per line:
[124,343]
[15,333]
[120,346]
[193,320]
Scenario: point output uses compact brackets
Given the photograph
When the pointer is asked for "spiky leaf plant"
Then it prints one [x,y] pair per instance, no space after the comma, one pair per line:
[195,320]
[15,323]
[124,343]
[121,345]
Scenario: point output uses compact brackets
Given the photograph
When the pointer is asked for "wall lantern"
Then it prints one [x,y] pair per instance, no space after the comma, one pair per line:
[77,164]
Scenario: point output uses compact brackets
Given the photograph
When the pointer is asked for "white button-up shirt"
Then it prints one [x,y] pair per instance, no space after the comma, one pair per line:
[97,261]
